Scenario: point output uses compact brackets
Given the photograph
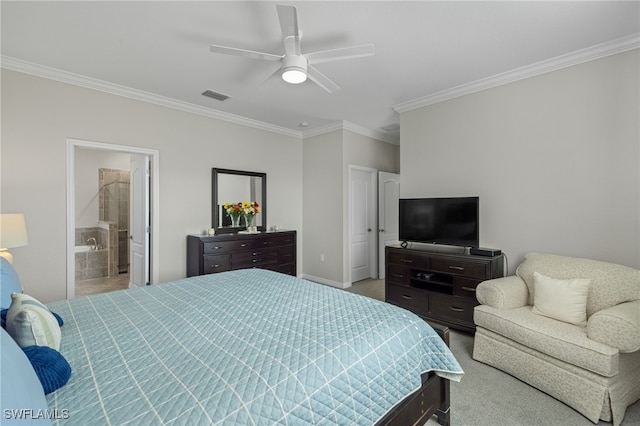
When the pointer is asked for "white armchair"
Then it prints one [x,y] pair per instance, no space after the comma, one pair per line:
[594,368]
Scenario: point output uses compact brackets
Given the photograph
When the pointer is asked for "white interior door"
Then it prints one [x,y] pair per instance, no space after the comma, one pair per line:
[388,219]
[362,184]
[139,222]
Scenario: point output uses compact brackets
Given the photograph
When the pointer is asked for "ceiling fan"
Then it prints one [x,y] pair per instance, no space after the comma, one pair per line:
[296,66]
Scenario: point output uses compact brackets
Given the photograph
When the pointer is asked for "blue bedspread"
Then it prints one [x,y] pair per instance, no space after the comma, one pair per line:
[249,347]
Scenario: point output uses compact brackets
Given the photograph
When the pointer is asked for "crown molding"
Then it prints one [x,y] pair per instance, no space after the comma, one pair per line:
[352,127]
[50,73]
[580,56]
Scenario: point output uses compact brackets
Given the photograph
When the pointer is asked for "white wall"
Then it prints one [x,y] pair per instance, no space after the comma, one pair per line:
[39,115]
[555,160]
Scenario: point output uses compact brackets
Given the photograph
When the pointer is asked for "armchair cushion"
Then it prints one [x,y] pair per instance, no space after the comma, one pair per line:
[564,300]
[560,340]
[503,293]
[618,326]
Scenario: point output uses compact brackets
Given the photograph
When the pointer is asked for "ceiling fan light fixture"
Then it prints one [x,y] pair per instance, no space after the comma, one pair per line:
[294,69]
[294,75]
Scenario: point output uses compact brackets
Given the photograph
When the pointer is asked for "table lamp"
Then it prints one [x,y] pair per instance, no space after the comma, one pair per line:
[13,233]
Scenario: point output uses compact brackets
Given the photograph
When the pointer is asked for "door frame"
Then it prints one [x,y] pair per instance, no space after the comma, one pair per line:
[373,206]
[154,206]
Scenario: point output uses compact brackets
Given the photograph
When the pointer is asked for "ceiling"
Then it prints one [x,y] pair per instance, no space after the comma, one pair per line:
[422,48]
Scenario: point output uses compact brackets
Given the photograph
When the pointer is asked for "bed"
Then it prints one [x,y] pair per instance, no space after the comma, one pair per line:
[248,347]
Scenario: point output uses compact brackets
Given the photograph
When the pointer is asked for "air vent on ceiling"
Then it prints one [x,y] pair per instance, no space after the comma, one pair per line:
[215,95]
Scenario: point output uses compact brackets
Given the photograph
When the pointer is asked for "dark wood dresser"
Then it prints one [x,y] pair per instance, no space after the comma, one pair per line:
[275,251]
[439,287]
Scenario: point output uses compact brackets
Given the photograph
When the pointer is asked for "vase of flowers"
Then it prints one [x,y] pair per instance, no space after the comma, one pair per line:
[249,210]
[235,212]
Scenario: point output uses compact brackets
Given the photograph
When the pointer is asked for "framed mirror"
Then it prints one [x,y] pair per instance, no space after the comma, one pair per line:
[233,186]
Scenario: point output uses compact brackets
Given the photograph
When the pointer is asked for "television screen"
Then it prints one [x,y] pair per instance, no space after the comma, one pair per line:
[452,221]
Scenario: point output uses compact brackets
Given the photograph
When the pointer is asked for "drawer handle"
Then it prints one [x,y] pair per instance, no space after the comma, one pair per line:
[455,308]
[457,268]
[217,248]
[398,275]
[404,296]
[406,260]
[243,245]
[468,289]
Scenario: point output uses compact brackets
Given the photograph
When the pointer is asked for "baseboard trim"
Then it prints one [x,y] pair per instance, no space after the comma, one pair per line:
[326,281]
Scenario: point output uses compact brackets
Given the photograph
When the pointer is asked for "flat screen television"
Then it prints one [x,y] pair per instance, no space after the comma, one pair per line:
[451,221]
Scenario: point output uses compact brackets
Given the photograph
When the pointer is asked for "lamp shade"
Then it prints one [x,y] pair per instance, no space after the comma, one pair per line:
[13,231]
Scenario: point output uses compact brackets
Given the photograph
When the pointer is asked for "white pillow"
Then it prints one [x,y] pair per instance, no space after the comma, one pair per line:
[563,300]
[30,323]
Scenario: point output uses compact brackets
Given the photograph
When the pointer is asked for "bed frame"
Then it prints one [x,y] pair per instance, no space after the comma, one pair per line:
[432,398]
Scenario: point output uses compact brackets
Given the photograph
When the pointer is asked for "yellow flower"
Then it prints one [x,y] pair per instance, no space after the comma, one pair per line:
[246,204]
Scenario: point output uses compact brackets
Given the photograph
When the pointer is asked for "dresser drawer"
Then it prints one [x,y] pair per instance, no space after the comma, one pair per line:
[460,267]
[253,258]
[286,254]
[288,268]
[452,307]
[398,274]
[411,298]
[408,260]
[274,241]
[216,263]
[225,246]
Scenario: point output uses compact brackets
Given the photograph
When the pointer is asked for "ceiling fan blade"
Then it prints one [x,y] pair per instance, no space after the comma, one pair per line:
[244,53]
[340,54]
[321,80]
[288,17]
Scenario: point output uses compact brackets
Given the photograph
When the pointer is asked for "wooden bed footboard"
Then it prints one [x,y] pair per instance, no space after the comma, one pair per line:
[432,398]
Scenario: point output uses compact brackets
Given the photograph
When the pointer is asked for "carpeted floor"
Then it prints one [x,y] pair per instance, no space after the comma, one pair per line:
[488,397]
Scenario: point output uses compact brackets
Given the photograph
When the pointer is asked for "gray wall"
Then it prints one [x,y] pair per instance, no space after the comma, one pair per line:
[39,115]
[555,160]
[325,190]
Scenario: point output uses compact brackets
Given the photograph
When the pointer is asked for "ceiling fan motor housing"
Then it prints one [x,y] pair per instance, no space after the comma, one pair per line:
[294,69]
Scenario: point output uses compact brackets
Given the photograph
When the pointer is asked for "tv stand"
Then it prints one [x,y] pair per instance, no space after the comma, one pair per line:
[439,287]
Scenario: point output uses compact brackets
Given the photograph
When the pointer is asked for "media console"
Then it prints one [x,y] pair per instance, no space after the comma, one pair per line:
[439,287]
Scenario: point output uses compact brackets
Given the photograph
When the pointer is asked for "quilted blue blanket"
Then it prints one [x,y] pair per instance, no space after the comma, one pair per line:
[249,347]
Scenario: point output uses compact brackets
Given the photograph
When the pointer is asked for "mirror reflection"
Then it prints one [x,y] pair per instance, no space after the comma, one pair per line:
[235,186]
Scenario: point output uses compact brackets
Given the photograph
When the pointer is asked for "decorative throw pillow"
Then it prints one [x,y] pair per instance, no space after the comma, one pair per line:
[50,366]
[563,300]
[30,323]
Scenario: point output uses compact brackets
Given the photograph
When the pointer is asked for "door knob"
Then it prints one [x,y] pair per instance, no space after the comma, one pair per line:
[368,229]
[382,230]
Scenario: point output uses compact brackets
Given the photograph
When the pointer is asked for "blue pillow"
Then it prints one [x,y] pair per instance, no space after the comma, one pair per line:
[9,283]
[20,387]
[51,367]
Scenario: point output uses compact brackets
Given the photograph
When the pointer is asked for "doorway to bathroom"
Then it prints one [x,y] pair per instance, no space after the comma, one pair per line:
[109,216]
